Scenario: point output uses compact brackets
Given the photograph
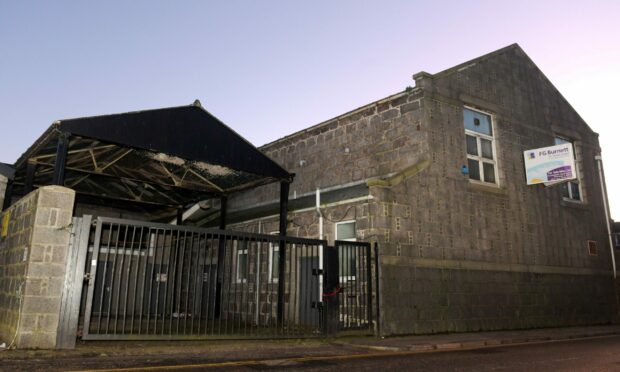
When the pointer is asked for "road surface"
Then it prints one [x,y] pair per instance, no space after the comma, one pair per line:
[592,354]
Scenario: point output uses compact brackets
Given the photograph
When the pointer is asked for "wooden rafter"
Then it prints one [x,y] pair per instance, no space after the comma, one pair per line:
[206,180]
[100,170]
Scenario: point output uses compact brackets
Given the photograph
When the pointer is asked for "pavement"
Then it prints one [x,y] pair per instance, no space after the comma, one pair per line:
[239,350]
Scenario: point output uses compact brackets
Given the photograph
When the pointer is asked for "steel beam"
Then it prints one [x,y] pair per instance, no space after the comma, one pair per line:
[8,195]
[61,159]
[31,168]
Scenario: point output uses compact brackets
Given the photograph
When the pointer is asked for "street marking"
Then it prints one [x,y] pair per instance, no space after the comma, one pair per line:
[267,362]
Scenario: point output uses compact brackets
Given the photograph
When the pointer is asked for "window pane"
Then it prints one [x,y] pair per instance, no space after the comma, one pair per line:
[242,266]
[345,231]
[565,190]
[560,141]
[474,169]
[574,188]
[472,145]
[275,263]
[477,121]
[489,172]
[486,148]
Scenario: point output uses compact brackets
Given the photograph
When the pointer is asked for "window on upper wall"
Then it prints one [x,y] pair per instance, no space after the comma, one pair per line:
[345,231]
[571,190]
[481,156]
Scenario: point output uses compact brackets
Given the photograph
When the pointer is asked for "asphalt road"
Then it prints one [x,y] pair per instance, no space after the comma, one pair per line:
[598,354]
[593,354]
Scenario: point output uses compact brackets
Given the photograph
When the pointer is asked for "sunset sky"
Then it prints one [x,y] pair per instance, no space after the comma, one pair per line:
[269,68]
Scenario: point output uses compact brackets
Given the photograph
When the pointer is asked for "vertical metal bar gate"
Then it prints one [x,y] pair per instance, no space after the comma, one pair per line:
[156,281]
[355,294]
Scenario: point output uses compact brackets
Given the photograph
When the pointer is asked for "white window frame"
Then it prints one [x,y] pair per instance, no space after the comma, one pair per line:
[273,248]
[576,181]
[479,158]
[344,279]
[240,252]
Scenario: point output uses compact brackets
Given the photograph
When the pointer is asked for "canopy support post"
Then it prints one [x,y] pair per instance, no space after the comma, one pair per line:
[284,190]
[31,167]
[8,195]
[179,216]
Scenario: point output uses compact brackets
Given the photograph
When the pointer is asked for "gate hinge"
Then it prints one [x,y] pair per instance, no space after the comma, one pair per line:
[87,276]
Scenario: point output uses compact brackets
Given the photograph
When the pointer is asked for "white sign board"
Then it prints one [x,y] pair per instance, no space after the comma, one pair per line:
[550,164]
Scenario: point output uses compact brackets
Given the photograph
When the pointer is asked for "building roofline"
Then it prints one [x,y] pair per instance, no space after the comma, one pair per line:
[514,46]
[336,118]
[423,74]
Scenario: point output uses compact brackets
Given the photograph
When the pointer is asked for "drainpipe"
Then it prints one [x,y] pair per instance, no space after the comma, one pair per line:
[320,214]
[599,161]
[318,211]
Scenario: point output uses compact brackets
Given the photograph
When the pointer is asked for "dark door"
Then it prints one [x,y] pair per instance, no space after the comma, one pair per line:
[308,290]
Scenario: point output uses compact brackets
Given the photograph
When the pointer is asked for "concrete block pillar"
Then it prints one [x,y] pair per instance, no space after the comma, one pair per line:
[32,267]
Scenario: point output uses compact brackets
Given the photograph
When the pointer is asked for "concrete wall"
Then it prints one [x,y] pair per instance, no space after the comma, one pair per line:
[32,267]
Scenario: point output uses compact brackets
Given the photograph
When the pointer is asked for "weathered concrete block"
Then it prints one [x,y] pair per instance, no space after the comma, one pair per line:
[51,235]
[56,197]
[41,305]
[45,270]
[37,340]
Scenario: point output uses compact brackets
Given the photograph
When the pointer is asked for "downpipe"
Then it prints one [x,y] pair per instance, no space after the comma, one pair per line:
[599,162]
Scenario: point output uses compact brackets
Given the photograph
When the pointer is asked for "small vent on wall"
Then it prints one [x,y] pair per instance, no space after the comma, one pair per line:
[592,248]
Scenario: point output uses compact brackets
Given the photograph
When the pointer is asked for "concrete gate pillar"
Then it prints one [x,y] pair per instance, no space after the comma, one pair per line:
[34,242]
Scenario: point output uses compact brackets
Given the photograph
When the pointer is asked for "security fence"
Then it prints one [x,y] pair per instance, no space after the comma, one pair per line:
[157,281]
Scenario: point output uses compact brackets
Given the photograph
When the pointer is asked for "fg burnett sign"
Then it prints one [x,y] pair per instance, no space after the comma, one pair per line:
[550,164]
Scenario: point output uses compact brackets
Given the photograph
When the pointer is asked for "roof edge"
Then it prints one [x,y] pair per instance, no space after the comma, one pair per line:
[339,117]
[462,66]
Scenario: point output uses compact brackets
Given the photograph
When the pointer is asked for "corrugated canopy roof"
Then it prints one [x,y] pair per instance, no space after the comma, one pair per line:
[153,159]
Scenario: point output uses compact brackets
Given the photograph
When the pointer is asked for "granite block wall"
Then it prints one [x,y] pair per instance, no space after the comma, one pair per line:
[372,141]
[457,255]
[525,246]
[440,300]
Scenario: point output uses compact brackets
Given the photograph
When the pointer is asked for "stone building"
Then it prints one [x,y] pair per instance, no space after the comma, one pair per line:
[459,251]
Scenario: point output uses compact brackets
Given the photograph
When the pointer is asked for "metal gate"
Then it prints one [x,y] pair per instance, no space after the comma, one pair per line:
[355,289]
[159,281]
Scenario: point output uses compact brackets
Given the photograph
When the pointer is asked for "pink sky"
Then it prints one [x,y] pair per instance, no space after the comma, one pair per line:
[269,68]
